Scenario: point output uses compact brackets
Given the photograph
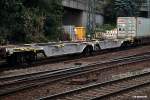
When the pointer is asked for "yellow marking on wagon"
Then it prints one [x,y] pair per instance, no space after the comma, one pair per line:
[23,49]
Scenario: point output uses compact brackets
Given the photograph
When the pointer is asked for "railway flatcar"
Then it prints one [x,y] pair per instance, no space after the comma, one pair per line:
[29,52]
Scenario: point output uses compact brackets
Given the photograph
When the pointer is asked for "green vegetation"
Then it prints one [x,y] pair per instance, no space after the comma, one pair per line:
[120,8]
[26,21]
[105,27]
[30,20]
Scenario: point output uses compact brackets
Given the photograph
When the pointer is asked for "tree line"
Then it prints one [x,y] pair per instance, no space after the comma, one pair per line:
[26,21]
[121,8]
[30,20]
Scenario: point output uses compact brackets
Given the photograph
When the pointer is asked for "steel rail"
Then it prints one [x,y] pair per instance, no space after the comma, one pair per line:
[68,73]
[29,77]
[99,90]
[73,68]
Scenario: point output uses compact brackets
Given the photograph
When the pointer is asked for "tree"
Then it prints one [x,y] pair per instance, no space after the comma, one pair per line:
[11,12]
[125,8]
[120,8]
[53,22]
[24,20]
[47,17]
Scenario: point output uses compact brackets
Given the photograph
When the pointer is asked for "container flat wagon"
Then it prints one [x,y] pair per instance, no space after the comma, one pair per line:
[30,52]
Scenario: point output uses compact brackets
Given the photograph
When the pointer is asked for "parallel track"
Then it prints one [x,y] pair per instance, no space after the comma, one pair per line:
[14,84]
[103,91]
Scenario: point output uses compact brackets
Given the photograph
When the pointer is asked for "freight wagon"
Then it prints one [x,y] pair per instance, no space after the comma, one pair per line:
[30,52]
[134,30]
[19,54]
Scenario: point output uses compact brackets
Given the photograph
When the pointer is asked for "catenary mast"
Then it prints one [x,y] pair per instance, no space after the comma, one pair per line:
[148,4]
[91,16]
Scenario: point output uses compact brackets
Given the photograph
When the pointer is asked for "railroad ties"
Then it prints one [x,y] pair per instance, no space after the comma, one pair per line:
[18,83]
[102,91]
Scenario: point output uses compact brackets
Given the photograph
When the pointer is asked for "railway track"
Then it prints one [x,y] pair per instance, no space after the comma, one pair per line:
[17,83]
[103,91]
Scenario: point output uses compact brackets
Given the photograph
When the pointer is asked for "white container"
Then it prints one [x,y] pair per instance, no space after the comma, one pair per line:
[133,27]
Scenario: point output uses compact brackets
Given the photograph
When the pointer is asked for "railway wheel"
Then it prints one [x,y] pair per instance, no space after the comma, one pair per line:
[97,47]
[14,59]
[29,57]
[88,51]
[19,58]
[10,60]
[126,45]
[137,42]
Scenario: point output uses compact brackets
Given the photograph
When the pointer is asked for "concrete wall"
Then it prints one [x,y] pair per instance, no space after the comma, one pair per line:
[99,18]
[145,9]
[79,18]
[72,17]
[76,13]
[76,4]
